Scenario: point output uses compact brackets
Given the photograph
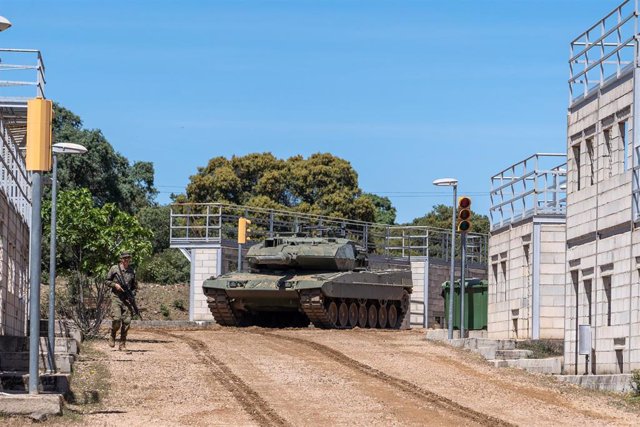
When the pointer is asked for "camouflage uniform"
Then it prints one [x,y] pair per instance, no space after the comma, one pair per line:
[121,311]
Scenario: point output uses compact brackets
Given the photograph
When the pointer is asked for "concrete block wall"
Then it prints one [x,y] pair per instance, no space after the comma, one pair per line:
[511,262]
[14,269]
[204,264]
[552,267]
[603,244]
[438,273]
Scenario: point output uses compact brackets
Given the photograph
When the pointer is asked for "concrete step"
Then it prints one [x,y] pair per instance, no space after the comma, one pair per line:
[39,406]
[500,344]
[552,365]
[63,345]
[18,382]
[63,328]
[19,361]
[488,352]
[513,354]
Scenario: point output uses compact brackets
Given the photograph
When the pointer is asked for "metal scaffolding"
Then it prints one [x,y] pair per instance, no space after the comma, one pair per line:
[210,224]
[21,71]
[534,186]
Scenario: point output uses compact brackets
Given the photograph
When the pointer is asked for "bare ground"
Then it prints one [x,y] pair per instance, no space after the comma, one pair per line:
[253,376]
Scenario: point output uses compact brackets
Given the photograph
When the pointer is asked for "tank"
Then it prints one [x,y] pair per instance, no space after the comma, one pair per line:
[296,280]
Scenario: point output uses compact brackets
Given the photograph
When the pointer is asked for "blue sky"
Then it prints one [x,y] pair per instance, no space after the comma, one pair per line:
[407,91]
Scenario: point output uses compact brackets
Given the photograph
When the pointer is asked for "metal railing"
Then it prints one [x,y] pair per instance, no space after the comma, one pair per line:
[21,71]
[604,51]
[534,186]
[208,224]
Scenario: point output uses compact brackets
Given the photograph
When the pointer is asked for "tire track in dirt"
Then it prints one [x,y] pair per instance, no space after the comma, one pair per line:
[252,403]
[395,382]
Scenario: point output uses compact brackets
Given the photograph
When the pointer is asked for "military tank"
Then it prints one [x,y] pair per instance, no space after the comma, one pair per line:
[297,280]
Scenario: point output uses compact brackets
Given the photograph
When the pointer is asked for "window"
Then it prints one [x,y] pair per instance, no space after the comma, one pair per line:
[608,154]
[591,166]
[606,284]
[578,167]
[622,130]
[587,293]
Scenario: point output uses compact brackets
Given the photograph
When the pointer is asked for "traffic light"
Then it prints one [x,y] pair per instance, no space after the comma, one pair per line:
[243,231]
[39,118]
[464,214]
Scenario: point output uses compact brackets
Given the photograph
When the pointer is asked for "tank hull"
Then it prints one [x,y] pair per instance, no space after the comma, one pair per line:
[296,300]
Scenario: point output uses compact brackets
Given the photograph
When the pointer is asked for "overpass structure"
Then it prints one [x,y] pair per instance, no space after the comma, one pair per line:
[207,235]
[22,76]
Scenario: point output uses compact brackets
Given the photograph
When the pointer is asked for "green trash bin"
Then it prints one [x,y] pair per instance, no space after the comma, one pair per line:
[475,304]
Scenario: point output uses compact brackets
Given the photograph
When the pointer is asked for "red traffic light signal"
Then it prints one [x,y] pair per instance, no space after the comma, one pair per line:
[464,214]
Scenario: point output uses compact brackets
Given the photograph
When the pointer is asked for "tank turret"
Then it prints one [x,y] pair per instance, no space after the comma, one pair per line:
[306,253]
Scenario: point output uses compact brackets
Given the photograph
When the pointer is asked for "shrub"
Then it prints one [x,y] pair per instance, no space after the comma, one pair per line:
[164,310]
[635,381]
[179,305]
[167,267]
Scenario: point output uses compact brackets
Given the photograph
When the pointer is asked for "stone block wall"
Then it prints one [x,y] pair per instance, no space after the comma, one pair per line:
[204,264]
[512,255]
[603,255]
[14,270]
[438,272]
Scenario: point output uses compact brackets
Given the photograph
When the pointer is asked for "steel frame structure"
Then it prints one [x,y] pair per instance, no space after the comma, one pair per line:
[21,70]
[603,52]
[194,225]
[535,186]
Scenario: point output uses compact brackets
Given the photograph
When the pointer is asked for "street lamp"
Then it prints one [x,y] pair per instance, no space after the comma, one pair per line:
[451,182]
[59,148]
[4,23]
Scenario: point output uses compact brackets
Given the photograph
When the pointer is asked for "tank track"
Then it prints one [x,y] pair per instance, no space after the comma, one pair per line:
[221,309]
[312,302]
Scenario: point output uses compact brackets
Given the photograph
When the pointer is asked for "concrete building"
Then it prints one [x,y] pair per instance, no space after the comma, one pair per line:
[603,240]
[22,71]
[205,235]
[527,249]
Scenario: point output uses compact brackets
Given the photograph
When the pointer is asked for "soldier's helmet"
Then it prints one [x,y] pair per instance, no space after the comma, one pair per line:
[124,255]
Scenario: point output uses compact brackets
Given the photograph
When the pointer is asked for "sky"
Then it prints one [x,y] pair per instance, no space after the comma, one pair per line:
[407,91]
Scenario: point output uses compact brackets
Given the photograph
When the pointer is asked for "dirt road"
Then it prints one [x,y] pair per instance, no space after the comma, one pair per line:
[305,377]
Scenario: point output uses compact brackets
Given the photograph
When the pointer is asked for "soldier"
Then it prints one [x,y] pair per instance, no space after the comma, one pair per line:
[119,275]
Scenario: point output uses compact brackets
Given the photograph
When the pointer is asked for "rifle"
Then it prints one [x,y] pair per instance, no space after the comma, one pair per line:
[128,295]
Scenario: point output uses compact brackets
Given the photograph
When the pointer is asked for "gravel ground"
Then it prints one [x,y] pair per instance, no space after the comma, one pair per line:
[254,376]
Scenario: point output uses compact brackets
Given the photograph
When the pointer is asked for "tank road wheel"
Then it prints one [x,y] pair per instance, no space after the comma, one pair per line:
[333,314]
[393,317]
[353,314]
[362,316]
[382,316]
[373,316]
[343,315]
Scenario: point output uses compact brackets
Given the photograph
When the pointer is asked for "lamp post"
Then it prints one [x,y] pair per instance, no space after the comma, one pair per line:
[59,148]
[4,23]
[451,182]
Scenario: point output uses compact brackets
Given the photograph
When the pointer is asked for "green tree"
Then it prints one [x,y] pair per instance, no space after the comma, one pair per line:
[321,184]
[440,217]
[90,237]
[106,173]
[156,219]
[385,213]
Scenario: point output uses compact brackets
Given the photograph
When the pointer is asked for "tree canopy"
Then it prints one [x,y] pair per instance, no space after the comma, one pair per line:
[107,174]
[321,184]
[91,237]
[440,216]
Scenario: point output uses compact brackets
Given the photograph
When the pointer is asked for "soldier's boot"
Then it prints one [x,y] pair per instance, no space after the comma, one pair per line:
[123,337]
[115,325]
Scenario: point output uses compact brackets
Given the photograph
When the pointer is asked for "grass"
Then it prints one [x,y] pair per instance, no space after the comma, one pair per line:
[89,383]
[542,348]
